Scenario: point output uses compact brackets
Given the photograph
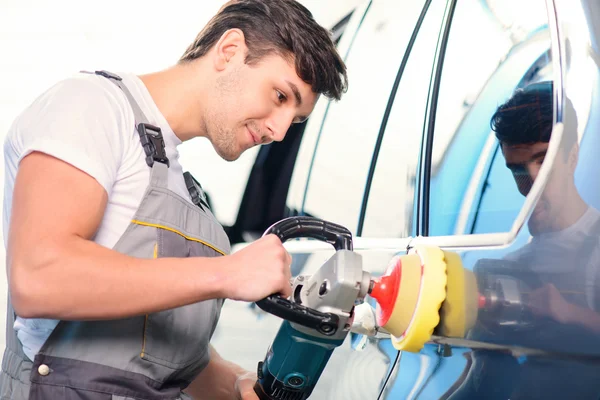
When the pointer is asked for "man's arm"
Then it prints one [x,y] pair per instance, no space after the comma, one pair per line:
[222,380]
[56,271]
[585,317]
[548,302]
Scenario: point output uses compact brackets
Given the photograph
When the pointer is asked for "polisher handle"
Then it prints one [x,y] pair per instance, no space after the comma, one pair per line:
[295,227]
[325,323]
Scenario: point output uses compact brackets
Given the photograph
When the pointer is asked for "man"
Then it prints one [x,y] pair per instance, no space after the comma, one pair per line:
[559,266]
[117,268]
[561,222]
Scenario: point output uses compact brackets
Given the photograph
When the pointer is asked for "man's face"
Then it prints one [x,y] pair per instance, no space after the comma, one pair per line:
[525,161]
[256,104]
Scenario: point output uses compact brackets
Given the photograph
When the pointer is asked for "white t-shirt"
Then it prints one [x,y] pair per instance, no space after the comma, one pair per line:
[87,122]
[546,252]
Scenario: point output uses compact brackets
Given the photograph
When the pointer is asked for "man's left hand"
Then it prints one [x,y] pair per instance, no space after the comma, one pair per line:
[548,302]
[244,387]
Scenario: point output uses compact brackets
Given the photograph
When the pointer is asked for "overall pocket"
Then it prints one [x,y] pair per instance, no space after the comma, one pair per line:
[179,337]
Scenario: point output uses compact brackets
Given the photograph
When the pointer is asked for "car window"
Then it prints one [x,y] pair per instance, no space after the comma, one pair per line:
[302,165]
[347,136]
[497,207]
[481,72]
[389,211]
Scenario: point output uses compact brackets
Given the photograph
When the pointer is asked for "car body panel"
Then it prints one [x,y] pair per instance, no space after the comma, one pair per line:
[460,196]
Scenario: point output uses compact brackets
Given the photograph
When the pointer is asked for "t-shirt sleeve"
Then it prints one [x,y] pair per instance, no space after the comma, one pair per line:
[80,121]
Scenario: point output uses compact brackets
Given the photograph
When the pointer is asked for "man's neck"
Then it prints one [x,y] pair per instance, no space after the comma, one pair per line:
[573,213]
[175,91]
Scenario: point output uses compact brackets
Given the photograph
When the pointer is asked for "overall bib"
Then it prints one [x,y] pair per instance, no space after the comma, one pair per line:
[146,357]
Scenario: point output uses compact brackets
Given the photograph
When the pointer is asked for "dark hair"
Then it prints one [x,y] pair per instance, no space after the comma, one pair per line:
[527,117]
[283,27]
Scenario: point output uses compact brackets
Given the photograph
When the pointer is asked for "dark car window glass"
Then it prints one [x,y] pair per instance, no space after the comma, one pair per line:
[345,148]
[391,200]
[499,206]
[481,71]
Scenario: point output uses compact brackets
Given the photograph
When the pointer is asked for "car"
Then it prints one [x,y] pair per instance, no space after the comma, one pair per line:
[408,158]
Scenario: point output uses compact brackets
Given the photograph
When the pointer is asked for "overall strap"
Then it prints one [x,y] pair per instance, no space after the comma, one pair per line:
[150,136]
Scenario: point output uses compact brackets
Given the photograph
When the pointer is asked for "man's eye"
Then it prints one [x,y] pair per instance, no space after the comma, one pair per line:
[280,96]
[299,120]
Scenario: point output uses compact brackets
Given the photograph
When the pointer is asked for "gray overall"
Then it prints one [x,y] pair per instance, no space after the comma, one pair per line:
[146,357]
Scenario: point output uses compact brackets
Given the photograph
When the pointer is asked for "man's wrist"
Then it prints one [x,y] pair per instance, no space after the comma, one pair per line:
[217,277]
[573,314]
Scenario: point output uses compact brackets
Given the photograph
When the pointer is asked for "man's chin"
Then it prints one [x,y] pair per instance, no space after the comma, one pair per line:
[537,225]
[228,155]
[230,158]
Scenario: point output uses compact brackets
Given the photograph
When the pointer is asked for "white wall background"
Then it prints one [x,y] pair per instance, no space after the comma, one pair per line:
[42,42]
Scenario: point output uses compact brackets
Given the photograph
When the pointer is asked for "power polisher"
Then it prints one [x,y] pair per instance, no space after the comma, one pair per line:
[321,311]
[497,293]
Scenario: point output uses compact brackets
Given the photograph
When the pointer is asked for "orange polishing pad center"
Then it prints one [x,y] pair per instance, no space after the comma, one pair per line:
[385,291]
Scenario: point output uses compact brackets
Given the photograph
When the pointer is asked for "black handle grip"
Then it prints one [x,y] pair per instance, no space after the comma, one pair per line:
[296,227]
[325,323]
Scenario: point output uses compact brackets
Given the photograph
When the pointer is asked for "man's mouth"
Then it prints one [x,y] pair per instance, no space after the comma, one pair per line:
[255,137]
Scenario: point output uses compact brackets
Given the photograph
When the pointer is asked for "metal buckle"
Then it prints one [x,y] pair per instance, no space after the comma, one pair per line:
[153,144]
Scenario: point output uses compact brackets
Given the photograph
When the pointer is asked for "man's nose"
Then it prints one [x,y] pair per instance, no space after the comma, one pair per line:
[533,169]
[278,124]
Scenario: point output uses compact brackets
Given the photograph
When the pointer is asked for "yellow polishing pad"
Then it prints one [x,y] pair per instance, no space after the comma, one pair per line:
[422,290]
[407,297]
[459,311]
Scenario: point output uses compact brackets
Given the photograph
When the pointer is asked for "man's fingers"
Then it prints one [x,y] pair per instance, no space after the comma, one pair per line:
[245,386]
[287,290]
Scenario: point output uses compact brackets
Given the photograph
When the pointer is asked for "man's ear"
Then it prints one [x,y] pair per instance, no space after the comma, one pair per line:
[230,48]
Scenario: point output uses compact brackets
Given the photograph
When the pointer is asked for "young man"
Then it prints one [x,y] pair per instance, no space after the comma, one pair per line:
[560,266]
[561,222]
[117,268]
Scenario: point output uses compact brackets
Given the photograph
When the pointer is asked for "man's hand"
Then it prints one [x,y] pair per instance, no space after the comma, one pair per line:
[257,271]
[548,302]
[223,380]
[244,386]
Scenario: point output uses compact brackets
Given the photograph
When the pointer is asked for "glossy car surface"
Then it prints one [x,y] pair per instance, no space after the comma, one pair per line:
[408,157]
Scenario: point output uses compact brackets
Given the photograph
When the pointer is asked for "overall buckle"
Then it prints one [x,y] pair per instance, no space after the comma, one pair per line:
[153,144]
[196,192]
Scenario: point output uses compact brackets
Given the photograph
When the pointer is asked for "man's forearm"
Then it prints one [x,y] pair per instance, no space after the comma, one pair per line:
[76,279]
[585,317]
[217,381]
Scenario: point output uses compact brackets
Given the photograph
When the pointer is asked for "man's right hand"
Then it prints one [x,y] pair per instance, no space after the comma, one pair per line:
[257,271]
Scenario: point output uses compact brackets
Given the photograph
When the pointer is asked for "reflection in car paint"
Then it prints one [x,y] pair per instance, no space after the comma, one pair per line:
[522,345]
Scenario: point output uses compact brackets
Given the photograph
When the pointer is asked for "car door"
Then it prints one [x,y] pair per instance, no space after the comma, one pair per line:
[383,229]
[330,174]
[470,204]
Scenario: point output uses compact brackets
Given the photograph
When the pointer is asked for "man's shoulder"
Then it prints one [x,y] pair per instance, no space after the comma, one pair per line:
[85,111]
[594,214]
[86,87]
[589,223]
[83,97]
